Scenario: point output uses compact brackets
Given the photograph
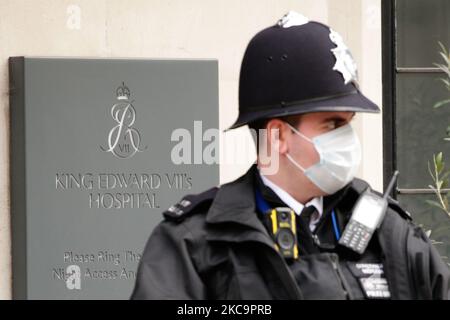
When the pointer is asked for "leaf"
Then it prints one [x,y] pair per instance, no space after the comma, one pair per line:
[445,81]
[445,178]
[441,103]
[444,184]
[445,200]
[432,188]
[440,66]
[444,56]
[434,203]
[429,170]
[444,68]
[445,175]
[442,46]
[439,163]
[441,230]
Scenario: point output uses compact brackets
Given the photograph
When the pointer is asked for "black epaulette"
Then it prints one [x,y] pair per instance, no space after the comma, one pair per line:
[395,205]
[185,207]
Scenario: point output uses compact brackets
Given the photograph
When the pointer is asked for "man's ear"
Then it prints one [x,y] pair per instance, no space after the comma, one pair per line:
[277,132]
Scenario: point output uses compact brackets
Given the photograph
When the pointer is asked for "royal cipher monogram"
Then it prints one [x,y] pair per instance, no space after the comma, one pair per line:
[123,140]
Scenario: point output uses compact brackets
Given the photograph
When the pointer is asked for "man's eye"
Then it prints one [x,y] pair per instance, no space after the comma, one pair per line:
[331,125]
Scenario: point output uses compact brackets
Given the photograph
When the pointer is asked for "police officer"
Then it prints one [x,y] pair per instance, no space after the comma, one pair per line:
[276,234]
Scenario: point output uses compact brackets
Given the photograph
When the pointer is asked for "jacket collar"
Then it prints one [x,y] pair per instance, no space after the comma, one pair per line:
[234,203]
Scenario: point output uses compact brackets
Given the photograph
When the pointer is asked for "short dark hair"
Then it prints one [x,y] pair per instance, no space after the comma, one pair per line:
[255,126]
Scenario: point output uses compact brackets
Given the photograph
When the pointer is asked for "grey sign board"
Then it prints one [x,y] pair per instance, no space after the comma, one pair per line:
[92,146]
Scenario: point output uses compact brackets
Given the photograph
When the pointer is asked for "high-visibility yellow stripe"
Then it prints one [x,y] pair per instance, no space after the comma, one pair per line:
[273,216]
[293,224]
[294,230]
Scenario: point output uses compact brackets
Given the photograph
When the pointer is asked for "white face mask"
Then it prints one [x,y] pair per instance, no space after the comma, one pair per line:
[340,156]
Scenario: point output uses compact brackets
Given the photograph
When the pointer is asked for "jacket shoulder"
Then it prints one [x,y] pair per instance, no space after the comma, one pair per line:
[395,205]
[189,205]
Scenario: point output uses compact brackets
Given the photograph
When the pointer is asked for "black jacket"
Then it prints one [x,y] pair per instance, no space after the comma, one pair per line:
[214,246]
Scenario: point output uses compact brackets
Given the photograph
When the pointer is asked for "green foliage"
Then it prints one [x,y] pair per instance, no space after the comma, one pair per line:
[437,170]
[444,67]
[441,181]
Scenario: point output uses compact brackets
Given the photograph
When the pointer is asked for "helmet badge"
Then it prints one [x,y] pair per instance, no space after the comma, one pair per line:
[344,59]
[291,19]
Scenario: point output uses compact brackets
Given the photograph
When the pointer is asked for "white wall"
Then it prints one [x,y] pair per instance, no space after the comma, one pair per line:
[178,29]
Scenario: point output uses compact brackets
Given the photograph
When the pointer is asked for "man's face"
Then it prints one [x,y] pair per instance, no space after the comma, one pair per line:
[312,125]
[302,150]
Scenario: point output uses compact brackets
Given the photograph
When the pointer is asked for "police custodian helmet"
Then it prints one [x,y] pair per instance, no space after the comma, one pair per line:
[297,66]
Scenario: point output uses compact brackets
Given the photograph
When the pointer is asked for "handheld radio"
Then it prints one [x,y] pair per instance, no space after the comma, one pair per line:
[367,216]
